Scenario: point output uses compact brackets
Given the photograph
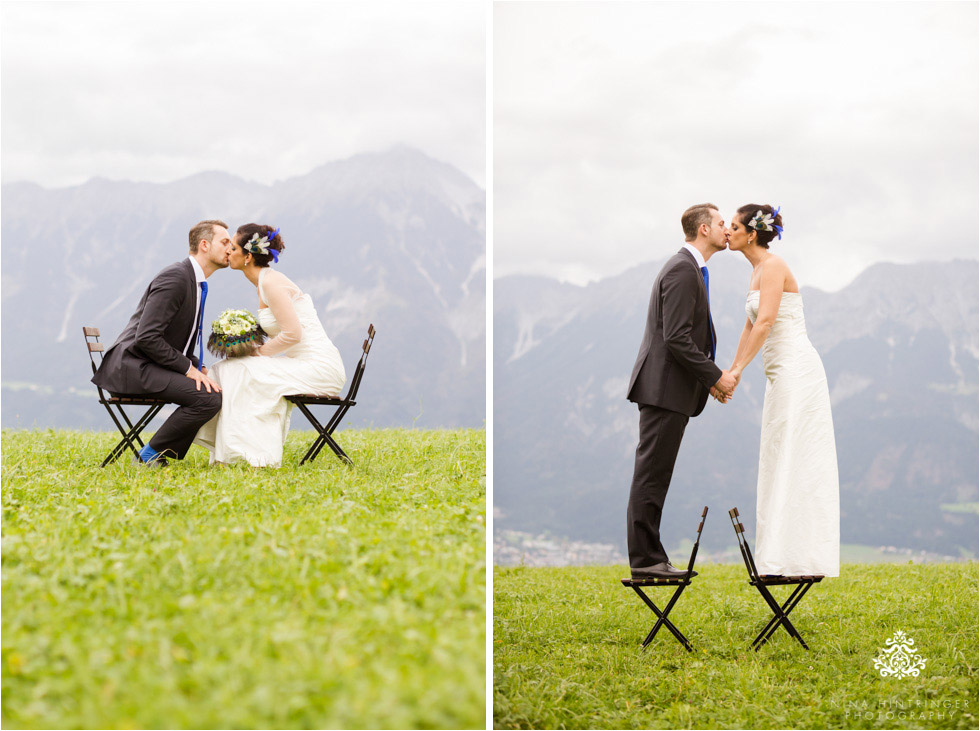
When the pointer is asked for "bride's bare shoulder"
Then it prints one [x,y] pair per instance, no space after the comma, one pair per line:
[776,264]
[276,279]
[280,282]
[776,270]
[775,260]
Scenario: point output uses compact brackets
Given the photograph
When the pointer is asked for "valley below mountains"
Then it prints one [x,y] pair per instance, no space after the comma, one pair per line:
[396,239]
[900,347]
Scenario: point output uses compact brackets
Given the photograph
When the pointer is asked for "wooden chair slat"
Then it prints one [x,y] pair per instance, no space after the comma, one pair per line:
[653,582]
[96,347]
[135,400]
[91,331]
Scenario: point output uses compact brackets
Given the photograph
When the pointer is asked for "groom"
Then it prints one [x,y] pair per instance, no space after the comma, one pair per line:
[672,377]
[160,352]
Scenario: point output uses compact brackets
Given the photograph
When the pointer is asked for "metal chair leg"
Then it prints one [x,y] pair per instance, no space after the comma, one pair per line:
[329,441]
[776,618]
[324,437]
[662,617]
[130,435]
[782,618]
[141,424]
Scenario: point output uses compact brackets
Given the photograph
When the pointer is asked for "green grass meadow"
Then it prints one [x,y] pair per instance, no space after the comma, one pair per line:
[567,651]
[319,596]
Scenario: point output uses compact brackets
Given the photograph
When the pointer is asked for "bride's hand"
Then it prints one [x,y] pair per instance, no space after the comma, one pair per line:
[719,396]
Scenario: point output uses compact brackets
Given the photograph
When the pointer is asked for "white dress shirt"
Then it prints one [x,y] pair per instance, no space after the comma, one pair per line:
[199,277]
[697,255]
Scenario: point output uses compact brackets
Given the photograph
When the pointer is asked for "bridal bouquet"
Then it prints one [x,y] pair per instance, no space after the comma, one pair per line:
[235,333]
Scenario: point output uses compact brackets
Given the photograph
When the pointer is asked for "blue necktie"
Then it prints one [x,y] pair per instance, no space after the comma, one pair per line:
[704,274]
[200,326]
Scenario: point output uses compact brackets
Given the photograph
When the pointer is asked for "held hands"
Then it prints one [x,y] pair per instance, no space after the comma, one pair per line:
[724,389]
[202,379]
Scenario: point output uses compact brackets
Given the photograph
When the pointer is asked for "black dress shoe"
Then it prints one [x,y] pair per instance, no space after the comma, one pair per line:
[159,461]
[663,570]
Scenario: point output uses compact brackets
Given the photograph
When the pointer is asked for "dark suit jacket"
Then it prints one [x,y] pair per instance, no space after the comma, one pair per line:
[153,342]
[674,369]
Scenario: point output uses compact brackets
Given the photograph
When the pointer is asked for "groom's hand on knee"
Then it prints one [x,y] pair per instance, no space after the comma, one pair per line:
[202,380]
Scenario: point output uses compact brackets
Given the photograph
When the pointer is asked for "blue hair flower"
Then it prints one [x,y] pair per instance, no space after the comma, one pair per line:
[779,229]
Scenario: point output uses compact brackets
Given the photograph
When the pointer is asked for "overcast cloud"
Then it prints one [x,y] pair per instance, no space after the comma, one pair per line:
[157,91]
[859,119]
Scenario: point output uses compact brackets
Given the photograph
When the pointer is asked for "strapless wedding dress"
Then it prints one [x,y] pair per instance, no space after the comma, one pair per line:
[254,417]
[798,502]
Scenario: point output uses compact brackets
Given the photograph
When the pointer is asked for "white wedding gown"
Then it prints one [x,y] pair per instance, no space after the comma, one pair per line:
[254,416]
[798,502]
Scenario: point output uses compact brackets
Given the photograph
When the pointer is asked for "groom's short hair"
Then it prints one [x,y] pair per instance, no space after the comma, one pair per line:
[693,218]
[203,230]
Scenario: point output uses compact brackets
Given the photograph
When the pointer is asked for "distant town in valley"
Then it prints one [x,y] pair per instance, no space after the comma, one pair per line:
[516,548]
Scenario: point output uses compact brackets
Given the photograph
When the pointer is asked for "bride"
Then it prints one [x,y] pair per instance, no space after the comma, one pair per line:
[299,358]
[797,504]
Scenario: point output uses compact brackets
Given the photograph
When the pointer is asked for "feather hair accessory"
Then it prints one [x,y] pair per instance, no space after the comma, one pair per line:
[261,245]
[767,221]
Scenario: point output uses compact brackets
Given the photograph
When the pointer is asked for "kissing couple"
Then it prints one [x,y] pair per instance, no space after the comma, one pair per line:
[236,409]
[797,493]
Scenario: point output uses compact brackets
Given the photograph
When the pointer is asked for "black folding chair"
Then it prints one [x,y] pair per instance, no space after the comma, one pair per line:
[780,612]
[131,431]
[681,582]
[325,433]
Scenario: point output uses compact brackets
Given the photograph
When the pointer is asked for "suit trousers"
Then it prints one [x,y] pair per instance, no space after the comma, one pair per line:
[196,408]
[661,432]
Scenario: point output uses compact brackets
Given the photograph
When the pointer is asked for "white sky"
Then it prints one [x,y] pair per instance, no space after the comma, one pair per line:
[859,119]
[157,91]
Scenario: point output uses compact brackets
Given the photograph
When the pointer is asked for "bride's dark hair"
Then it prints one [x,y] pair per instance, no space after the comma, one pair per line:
[747,212]
[245,232]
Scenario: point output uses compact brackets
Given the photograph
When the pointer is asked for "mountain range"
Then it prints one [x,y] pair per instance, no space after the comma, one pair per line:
[396,239]
[900,348]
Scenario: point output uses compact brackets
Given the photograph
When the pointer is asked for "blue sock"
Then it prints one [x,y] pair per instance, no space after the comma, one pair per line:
[148,453]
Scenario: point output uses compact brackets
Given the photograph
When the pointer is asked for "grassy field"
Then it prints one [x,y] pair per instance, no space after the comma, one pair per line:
[229,597]
[567,651]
